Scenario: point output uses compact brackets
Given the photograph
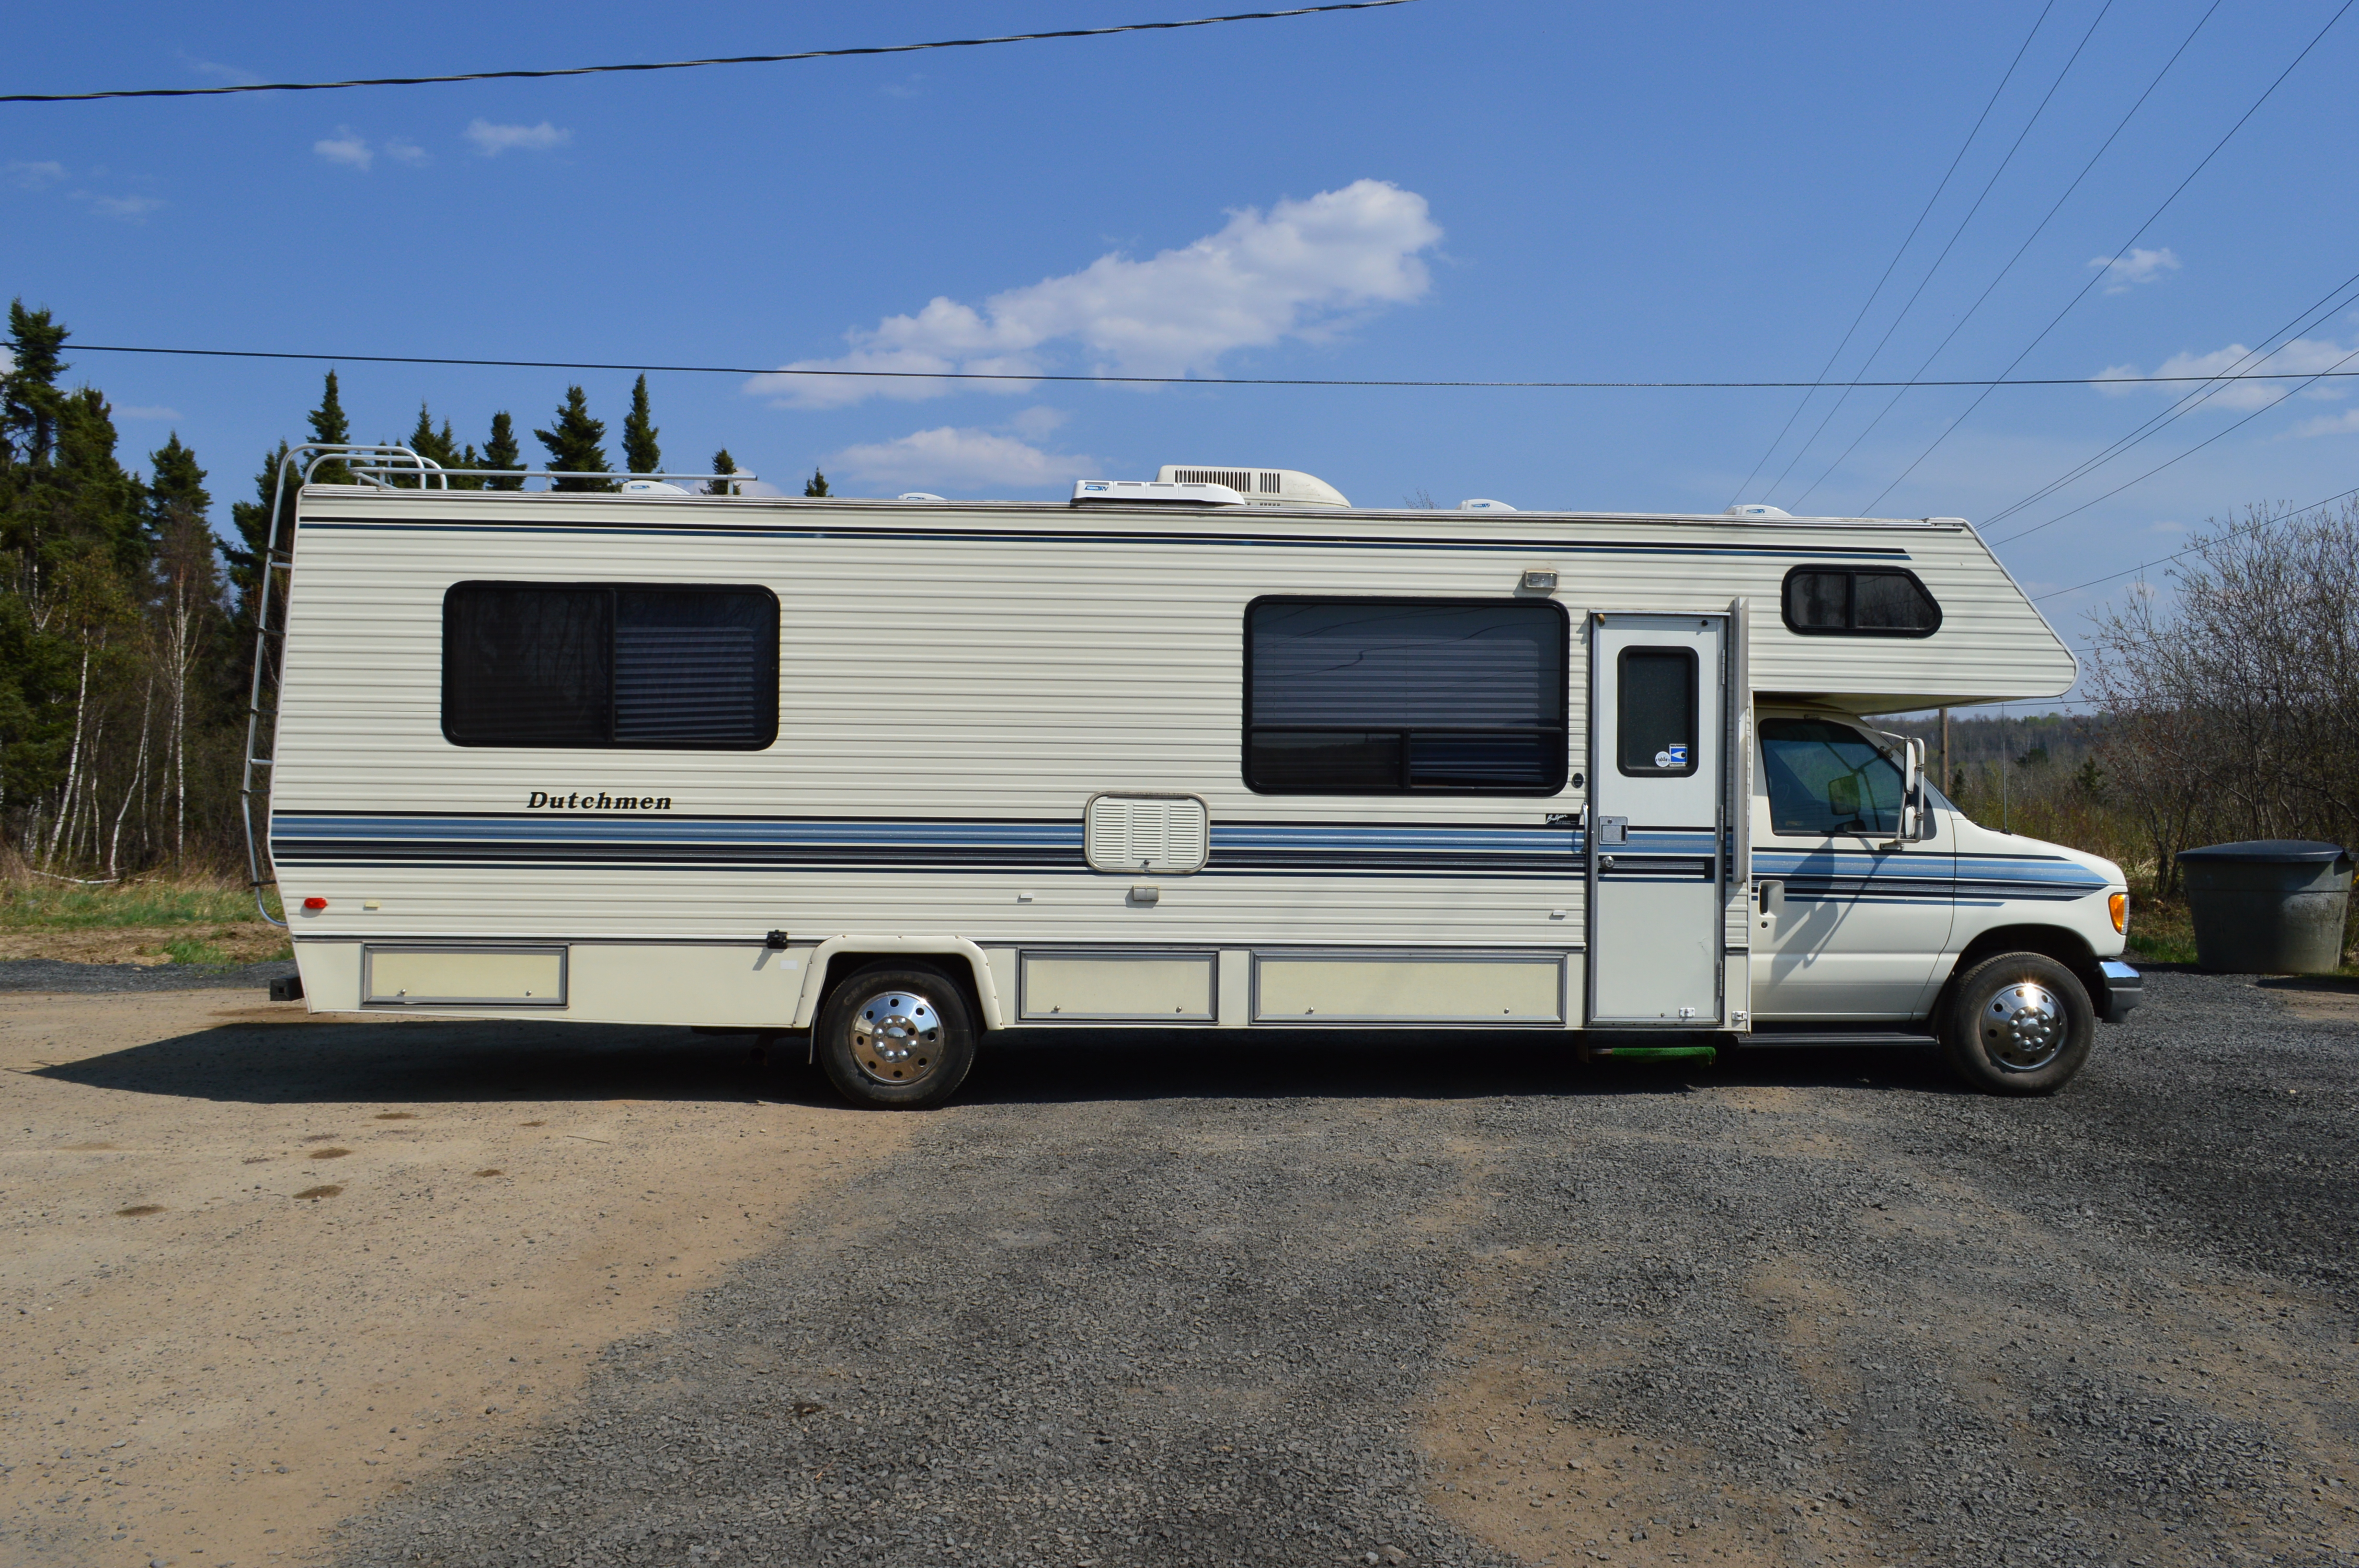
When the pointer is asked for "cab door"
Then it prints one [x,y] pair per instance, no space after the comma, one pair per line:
[1851,920]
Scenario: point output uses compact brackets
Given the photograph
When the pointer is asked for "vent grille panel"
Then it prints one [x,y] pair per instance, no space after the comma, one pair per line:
[1165,834]
[1239,480]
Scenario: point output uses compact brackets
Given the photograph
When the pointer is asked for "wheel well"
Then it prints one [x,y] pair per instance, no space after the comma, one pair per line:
[2067,948]
[952,967]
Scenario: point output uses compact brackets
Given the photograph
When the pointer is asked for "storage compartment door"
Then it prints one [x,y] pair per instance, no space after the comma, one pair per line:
[463,977]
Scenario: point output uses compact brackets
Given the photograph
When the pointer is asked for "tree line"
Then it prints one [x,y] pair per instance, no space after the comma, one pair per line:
[126,629]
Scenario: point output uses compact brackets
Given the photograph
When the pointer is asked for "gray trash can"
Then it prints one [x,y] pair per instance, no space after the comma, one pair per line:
[2268,906]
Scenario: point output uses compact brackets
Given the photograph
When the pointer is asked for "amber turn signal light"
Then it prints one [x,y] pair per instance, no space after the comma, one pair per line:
[322,903]
[2119,904]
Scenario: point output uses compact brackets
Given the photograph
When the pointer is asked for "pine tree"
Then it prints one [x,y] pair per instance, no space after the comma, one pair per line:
[640,453]
[722,463]
[578,443]
[29,392]
[331,427]
[816,484]
[441,447]
[176,486]
[501,451]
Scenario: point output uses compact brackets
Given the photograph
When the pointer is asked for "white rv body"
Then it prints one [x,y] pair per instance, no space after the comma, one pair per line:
[974,698]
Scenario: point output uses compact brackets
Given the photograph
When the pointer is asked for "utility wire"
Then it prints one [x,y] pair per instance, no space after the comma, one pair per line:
[2157,468]
[1956,234]
[1197,381]
[2037,230]
[2182,555]
[686,64]
[2333,301]
[1873,294]
[2121,250]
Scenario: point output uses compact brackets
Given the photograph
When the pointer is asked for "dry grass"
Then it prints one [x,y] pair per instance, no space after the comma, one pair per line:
[200,919]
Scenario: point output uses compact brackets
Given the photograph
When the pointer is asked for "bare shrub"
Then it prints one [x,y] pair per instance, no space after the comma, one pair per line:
[2235,701]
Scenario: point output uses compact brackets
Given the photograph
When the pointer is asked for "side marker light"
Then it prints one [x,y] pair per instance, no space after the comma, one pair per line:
[315,904]
[2119,907]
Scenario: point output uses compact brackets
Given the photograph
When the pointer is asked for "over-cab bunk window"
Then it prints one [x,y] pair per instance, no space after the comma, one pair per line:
[1405,696]
[1859,602]
[610,664]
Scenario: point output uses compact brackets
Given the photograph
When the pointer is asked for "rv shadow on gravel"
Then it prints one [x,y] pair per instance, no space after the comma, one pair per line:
[414,1061]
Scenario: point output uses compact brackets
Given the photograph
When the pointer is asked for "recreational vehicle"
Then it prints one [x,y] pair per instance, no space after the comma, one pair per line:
[1216,751]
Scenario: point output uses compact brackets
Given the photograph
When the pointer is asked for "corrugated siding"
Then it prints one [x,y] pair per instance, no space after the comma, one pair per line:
[985,679]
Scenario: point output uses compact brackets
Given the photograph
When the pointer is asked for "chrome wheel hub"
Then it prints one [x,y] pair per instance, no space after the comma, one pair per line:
[897,1037]
[2023,1027]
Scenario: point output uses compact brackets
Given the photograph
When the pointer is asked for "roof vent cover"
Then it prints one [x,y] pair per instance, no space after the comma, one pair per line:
[1166,833]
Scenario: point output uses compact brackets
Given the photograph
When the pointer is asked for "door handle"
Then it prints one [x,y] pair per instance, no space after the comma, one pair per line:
[1772,898]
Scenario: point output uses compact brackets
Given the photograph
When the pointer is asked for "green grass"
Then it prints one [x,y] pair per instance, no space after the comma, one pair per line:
[64,906]
[188,950]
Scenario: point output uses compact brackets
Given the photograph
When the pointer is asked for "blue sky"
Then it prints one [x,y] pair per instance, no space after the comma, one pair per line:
[1450,189]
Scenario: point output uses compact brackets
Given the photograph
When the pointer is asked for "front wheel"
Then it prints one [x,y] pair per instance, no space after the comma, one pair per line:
[896,1038]
[2018,1024]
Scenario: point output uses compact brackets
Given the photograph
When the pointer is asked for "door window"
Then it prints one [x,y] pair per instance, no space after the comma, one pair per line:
[1654,718]
[1827,778]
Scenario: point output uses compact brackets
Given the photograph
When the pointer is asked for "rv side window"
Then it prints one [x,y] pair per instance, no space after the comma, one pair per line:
[1862,602]
[1827,778]
[610,664]
[1655,714]
[1394,695]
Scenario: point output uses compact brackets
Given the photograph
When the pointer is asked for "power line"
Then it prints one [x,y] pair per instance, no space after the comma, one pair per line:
[2334,300]
[2037,230]
[2221,539]
[1192,380]
[686,64]
[1925,282]
[1905,241]
[2123,249]
[2157,468]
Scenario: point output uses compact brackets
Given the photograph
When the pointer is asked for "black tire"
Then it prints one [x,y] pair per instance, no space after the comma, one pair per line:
[2020,1023]
[881,1024]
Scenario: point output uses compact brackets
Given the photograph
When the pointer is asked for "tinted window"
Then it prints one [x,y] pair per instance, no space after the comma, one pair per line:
[1655,712]
[1863,602]
[1826,778]
[1384,696]
[610,666]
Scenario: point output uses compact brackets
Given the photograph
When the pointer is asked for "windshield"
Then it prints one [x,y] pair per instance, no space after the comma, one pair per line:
[1827,778]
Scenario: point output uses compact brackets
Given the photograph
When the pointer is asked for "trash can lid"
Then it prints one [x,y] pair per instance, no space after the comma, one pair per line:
[2270,851]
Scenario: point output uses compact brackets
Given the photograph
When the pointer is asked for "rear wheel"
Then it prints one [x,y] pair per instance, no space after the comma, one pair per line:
[2018,1024]
[896,1038]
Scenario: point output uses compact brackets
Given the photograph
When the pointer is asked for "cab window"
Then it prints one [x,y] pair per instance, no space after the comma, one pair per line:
[1827,778]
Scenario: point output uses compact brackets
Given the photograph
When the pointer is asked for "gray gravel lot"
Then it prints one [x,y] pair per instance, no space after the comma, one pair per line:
[56,975]
[1332,1299]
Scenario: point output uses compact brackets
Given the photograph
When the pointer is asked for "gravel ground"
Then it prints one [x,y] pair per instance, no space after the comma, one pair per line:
[1323,1299]
[55,976]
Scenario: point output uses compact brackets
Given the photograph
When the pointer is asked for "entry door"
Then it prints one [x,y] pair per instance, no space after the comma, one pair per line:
[1659,727]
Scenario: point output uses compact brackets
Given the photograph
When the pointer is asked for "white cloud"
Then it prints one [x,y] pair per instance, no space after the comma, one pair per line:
[2303,356]
[346,148]
[956,459]
[225,73]
[1301,271]
[2140,266]
[1037,422]
[400,151]
[2344,424]
[492,140]
[130,208]
[34,176]
[145,412]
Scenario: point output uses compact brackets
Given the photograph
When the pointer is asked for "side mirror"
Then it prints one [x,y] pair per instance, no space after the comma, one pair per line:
[1912,804]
